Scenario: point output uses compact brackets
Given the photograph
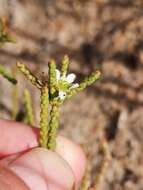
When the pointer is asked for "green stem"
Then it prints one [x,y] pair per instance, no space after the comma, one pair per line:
[64,66]
[6,37]
[4,34]
[53,126]
[29,112]
[44,117]
[15,95]
[52,78]
[29,75]
[86,82]
[7,75]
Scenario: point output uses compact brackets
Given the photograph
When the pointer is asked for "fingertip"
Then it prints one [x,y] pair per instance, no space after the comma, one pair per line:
[74,155]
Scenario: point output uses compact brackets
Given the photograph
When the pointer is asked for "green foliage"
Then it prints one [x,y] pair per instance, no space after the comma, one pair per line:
[51,97]
[29,75]
[7,75]
[5,37]
[15,94]
[85,83]
[57,88]
[53,126]
[4,34]
[52,78]
[44,127]
[29,112]
[64,66]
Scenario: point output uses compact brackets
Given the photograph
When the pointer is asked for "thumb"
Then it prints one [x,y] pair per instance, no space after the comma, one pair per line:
[10,181]
[43,169]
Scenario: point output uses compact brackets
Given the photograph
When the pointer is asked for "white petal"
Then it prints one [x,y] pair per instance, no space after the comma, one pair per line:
[62,95]
[75,85]
[70,78]
[58,74]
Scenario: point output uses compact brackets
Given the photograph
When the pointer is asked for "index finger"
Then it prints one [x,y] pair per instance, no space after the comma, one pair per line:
[16,137]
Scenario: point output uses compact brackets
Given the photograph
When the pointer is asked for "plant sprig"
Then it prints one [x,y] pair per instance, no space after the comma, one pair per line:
[29,75]
[5,37]
[85,83]
[6,74]
[57,88]
[54,91]
[4,34]
[29,112]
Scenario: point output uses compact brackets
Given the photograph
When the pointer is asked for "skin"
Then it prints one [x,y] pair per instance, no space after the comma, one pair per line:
[25,166]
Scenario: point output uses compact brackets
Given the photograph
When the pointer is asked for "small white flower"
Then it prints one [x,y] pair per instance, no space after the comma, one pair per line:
[69,79]
[57,74]
[62,95]
[75,85]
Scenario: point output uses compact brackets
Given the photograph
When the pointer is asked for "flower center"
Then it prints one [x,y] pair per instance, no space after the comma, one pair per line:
[63,85]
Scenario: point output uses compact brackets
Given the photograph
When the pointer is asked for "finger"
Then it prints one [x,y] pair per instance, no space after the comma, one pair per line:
[68,150]
[43,169]
[16,137]
[74,155]
[10,181]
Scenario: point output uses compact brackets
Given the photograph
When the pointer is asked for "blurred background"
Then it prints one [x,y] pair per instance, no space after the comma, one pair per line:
[96,34]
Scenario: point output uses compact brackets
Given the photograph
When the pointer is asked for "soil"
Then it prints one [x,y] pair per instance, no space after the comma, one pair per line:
[96,34]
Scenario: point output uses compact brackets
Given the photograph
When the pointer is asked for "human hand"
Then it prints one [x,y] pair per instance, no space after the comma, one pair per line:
[24,166]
